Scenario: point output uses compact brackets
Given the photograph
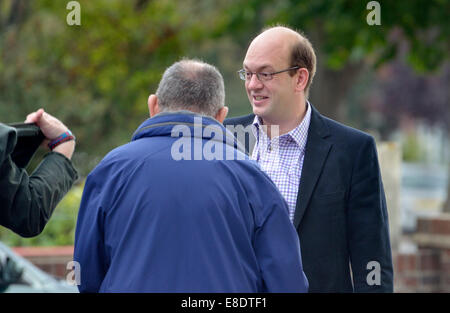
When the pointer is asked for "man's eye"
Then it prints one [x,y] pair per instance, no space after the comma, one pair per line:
[248,74]
[264,75]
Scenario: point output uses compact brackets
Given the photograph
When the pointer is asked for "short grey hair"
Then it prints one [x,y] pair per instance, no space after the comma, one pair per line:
[191,85]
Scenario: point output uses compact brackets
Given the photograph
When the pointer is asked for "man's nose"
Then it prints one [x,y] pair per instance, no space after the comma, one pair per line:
[254,83]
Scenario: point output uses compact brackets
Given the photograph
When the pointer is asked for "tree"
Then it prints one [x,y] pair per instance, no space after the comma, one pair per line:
[344,41]
[95,77]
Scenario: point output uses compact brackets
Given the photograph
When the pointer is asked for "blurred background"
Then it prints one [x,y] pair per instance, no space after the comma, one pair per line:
[391,80]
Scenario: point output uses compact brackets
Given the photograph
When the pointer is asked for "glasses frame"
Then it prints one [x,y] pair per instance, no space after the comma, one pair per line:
[243,77]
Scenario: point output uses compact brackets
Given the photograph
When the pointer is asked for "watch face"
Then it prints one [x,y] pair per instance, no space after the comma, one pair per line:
[29,138]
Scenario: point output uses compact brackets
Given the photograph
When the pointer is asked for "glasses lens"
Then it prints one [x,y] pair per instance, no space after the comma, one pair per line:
[241,74]
[264,76]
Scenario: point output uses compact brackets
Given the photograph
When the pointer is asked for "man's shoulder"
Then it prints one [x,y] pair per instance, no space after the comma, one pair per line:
[343,133]
[119,157]
[240,120]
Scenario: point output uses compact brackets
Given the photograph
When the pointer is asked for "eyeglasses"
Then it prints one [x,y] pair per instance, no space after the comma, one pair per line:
[247,76]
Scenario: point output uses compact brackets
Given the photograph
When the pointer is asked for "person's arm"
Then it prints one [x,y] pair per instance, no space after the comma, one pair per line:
[27,202]
[277,247]
[368,227]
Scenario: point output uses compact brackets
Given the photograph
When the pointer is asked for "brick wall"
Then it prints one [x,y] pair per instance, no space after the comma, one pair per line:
[52,260]
[428,268]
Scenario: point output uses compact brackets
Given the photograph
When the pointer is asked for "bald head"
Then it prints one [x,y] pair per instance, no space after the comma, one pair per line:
[290,46]
[278,34]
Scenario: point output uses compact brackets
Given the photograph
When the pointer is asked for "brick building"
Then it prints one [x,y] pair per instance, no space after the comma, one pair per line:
[426,268]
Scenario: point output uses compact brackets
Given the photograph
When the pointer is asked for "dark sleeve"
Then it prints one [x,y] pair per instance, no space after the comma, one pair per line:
[368,226]
[27,202]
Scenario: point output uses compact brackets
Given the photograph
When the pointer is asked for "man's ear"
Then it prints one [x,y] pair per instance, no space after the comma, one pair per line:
[221,114]
[153,106]
[302,80]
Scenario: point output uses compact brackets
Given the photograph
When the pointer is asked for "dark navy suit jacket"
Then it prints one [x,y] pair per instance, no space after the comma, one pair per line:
[341,216]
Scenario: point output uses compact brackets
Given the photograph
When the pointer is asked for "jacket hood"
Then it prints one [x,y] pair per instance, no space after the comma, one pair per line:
[176,124]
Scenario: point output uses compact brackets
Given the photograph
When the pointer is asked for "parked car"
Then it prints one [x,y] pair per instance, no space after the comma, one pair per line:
[25,277]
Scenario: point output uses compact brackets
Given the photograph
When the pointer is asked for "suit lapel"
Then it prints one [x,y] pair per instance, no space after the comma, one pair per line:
[316,152]
[241,128]
[317,149]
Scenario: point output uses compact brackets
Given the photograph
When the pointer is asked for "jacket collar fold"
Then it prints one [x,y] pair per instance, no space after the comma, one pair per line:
[166,123]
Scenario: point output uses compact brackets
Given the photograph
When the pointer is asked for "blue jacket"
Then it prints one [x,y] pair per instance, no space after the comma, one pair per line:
[151,223]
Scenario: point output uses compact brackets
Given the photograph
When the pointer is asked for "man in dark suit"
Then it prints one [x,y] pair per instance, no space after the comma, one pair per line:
[327,172]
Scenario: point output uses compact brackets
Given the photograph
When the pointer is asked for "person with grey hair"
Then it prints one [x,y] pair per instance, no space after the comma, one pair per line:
[152,222]
[205,84]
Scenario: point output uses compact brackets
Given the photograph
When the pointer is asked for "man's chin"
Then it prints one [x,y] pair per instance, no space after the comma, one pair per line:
[261,112]
[266,116]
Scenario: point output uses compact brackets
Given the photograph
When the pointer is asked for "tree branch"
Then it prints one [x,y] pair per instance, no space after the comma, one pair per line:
[17,12]
[141,4]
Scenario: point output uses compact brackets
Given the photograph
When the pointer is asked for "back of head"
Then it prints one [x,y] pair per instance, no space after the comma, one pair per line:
[191,85]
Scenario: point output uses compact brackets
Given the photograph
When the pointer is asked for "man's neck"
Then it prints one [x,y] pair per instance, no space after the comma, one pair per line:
[285,126]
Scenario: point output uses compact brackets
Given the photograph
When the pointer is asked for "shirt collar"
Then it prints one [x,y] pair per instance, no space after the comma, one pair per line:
[299,134]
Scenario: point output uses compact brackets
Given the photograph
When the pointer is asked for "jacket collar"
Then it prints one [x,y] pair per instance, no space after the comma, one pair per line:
[163,124]
[318,124]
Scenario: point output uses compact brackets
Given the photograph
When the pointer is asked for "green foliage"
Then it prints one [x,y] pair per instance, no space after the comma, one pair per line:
[412,151]
[96,77]
[340,32]
[59,231]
